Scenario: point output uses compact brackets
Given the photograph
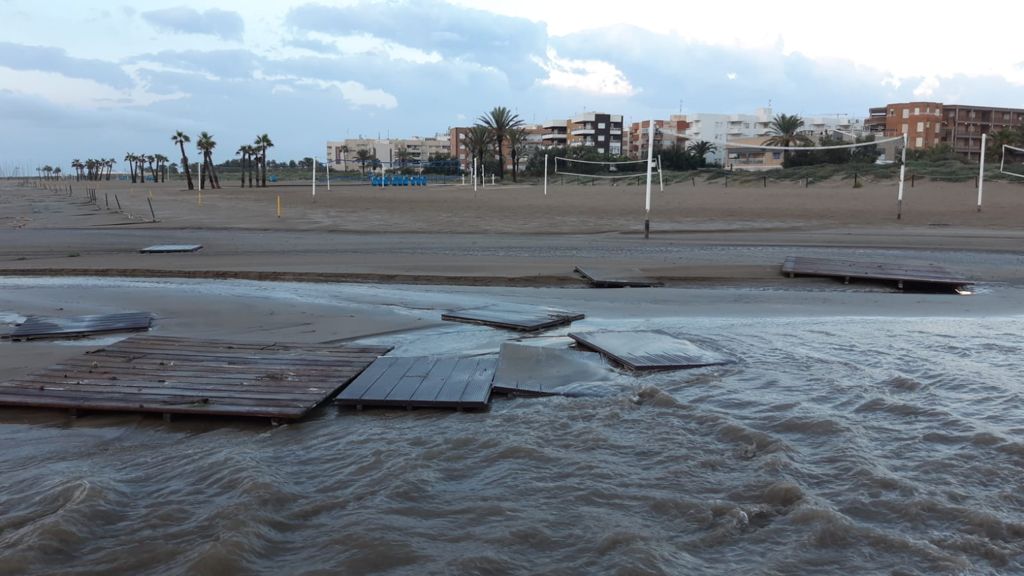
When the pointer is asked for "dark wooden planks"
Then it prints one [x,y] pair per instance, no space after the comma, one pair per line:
[424,382]
[171,248]
[36,327]
[616,278]
[648,350]
[514,317]
[847,269]
[525,370]
[184,376]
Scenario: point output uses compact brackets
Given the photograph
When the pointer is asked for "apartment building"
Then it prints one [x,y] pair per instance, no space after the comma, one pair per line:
[928,124]
[636,143]
[597,130]
[751,159]
[343,154]
[534,139]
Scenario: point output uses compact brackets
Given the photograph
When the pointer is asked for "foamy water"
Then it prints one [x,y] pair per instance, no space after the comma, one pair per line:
[836,445]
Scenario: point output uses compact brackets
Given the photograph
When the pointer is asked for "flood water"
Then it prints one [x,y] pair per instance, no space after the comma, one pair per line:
[834,445]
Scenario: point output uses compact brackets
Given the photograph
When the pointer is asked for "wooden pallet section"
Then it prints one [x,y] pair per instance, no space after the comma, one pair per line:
[648,350]
[616,278]
[38,327]
[514,317]
[171,248]
[423,382]
[185,376]
[929,274]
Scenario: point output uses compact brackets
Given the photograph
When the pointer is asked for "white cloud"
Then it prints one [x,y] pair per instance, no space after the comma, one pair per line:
[588,75]
[927,87]
[77,92]
[731,75]
[352,92]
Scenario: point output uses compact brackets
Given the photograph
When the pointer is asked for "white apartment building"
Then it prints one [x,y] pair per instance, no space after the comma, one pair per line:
[343,154]
[720,128]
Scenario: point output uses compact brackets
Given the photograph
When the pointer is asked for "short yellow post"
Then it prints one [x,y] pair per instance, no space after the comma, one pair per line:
[278,205]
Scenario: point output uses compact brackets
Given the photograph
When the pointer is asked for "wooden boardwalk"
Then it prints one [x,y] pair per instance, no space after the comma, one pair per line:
[184,376]
[616,278]
[171,248]
[927,274]
[423,382]
[514,317]
[37,327]
[648,350]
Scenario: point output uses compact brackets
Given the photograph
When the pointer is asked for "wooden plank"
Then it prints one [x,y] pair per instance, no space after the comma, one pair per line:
[170,248]
[648,350]
[423,382]
[196,382]
[846,269]
[514,317]
[616,278]
[38,327]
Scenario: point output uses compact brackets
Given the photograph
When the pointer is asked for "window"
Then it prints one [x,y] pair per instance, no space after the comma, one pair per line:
[920,126]
[776,155]
[906,113]
[919,143]
[600,150]
[916,110]
[600,137]
[906,128]
[600,125]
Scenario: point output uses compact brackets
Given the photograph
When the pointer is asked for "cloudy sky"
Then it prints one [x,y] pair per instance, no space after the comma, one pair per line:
[99,79]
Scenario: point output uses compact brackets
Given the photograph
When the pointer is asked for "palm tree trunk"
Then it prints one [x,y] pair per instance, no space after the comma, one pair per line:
[501,159]
[184,162]
[242,171]
[263,160]
[213,174]
[251,162]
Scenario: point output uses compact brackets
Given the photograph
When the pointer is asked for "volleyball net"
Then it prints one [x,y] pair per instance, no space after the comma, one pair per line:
[1012,161]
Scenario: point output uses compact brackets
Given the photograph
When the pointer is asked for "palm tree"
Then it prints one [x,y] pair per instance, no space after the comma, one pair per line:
[701,148]
[130,159]
[500,120]
[996,141]
[161,166]
[77,165]
[402,156]
[243,151]
[785,131]
[151,160]
[516,147]
[206,144]
[479,139]
[362,156]
[180,138]
[263,142]
[344,158]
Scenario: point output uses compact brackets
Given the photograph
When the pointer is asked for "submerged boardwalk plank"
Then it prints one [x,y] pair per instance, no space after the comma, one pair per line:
[424,382]
[171,248]
[186,376]
[648,350]
[616,278]
[514,317]
[38,327]
[846,269]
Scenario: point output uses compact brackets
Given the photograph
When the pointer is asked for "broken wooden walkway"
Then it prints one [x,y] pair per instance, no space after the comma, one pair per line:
[514,317]
[921,274]
[423,382]
[186,376]
[38,327]
[616,278]
[648,350]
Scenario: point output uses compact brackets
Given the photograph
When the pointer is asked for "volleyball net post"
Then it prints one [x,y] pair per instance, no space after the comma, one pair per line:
[1002,162]
[903,172]
[981,170]
[650,162]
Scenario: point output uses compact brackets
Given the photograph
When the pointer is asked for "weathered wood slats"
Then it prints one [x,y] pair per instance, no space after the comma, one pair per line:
[38,327]
[170,248]
[616,278]
[514,317]
[846,269]
[648,350]
[423,382]
[182,376]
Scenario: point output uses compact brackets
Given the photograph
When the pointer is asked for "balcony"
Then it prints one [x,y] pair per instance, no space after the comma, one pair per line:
[553,137]
[554,125]
[583,132]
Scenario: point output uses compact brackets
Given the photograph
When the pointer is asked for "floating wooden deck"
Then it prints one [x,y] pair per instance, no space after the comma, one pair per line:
[422,382]
[185,376]
[38,327]
[525,370]
[648,350]
[927,274]
[170,248]
[514,317]
[616,278]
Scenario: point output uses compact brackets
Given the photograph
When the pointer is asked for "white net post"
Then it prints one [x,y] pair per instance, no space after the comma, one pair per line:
[314,179]
[903,171]
[661,180]
[650,166]
[327,170]
[545,174]
[474,173]
[981,170]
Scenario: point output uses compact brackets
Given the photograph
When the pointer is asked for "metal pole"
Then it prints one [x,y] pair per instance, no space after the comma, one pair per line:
[650,167]
[200,175]
[981,171]
[661,182]
[314,179]
[903,168]
[327,168]
[474,173]
[545,174]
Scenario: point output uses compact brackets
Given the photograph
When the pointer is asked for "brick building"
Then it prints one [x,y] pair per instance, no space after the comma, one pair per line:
[929,124]
[637,141]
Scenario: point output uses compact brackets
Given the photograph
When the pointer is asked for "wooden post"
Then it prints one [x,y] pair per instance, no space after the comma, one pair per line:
[151,212]
[118,203]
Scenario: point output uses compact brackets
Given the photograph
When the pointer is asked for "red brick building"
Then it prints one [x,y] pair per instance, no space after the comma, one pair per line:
[928,124]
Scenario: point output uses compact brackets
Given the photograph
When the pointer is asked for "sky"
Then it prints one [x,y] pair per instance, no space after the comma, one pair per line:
[101,79]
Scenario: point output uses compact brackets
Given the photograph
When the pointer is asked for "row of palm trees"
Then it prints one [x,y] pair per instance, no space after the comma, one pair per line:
[490,134]
[137,164]
[93,168]
[254,158]
[48,172]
